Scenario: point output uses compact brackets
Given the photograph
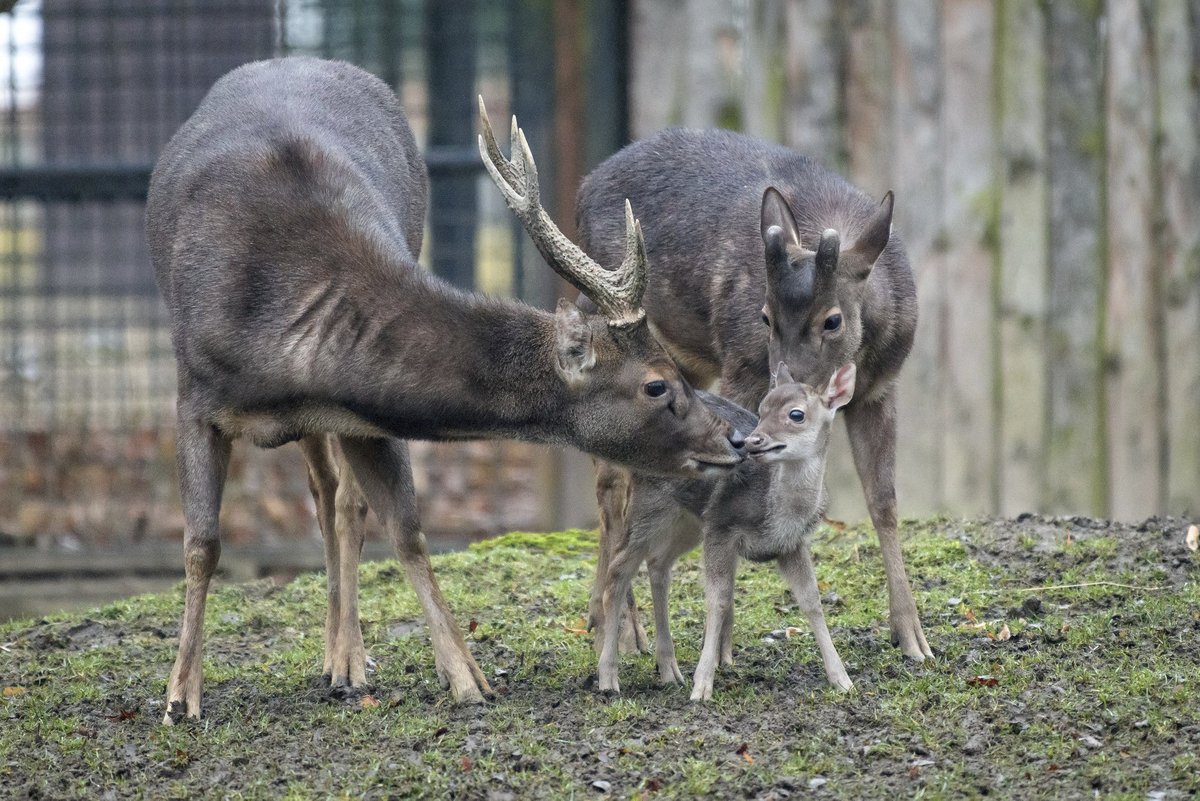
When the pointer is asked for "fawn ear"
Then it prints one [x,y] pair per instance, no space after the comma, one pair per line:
[778,228]
[781,376]
[573,343]
[875,234]
[840,389]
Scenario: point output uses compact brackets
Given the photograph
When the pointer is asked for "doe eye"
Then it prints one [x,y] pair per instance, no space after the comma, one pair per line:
[655,389]
[833,322]
[796,415]
[766,320]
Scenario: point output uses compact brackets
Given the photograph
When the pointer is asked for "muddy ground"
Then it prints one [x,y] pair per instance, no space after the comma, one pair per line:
[1039,689]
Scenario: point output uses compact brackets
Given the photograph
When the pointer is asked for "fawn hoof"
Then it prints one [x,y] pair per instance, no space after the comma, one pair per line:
[702,691]
[669,673]
[908,636]
[178,711]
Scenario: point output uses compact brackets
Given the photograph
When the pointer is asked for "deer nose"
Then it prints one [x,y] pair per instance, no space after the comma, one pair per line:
[737,439]
[756,440]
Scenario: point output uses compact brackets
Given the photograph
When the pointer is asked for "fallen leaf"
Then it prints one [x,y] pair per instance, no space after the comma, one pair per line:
[836,525]
[182,756]
[983,681]
[653,785]
[12,692]
[823,586]
[1193,538]
[749,759]
[1004,633]
[914,772]
[466,764]
[369,702]
[969,615]
[570,630]
[122,715]
[790,631]
[474,624]
[743,751]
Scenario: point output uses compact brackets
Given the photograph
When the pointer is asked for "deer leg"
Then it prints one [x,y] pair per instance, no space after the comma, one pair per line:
[664,645]
[323,483]
[872,430]
[203,455]
[720,566]
[382,471]
[622,567]
[797,570]
[613,485]
[349,659]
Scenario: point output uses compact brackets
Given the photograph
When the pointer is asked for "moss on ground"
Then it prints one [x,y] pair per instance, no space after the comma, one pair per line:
[1039,690]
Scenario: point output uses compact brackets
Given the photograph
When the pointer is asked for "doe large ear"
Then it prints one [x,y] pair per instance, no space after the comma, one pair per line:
[778,226]
[573,343]
[840,389]
[876,233]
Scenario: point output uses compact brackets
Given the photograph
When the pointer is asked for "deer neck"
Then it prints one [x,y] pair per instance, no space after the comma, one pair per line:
[797,488]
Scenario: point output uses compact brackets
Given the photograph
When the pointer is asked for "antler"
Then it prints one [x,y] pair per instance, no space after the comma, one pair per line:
[616,293]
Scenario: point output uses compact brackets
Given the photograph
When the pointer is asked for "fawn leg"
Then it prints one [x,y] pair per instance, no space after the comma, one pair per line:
[613,486]
[622,567]
[323,483]
[872,430]
[382,471]
[797,570]
[720,566]
[664,645]
[203,455]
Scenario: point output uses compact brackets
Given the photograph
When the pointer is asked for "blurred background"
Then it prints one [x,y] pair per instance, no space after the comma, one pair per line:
[1045,159]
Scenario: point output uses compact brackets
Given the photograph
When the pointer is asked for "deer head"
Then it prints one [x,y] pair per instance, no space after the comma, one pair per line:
[814,298]
[795,419]
[628,401]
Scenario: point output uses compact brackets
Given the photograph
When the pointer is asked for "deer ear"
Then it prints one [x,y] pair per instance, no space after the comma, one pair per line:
[840,389]
[875,234]
[782,376]
[573,343]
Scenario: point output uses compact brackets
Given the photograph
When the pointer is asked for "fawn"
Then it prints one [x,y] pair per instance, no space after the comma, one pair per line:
[763,511]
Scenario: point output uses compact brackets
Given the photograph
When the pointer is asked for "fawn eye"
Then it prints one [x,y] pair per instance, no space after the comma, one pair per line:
[766,320]
[833,322]
[796,415]
[655,389]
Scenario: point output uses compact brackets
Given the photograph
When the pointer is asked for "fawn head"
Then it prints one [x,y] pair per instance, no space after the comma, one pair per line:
[794,419]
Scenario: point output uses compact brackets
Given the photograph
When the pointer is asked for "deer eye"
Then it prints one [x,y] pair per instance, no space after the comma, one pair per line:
[655,389]
[766,320]
[796,415]
[833,322]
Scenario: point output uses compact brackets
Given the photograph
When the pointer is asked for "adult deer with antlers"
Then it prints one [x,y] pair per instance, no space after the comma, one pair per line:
[284,221]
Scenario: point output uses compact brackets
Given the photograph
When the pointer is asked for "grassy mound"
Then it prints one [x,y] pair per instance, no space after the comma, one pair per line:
[1068,665]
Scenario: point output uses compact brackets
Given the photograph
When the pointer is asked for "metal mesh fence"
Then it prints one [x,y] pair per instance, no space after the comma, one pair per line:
[90,90]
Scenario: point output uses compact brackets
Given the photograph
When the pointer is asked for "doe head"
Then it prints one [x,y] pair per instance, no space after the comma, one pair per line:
[794,419]
[814,298]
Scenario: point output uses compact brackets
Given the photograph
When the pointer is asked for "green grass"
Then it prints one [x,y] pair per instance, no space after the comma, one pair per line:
[1093,692]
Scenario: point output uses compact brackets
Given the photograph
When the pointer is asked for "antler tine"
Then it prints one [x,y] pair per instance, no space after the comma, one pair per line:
[616,293]
[507,175]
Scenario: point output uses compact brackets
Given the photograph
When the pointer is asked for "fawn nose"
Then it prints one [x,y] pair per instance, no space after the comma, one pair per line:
[737,439]
[755,441]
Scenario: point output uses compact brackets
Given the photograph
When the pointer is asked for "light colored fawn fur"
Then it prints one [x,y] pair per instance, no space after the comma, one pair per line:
[764,511]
